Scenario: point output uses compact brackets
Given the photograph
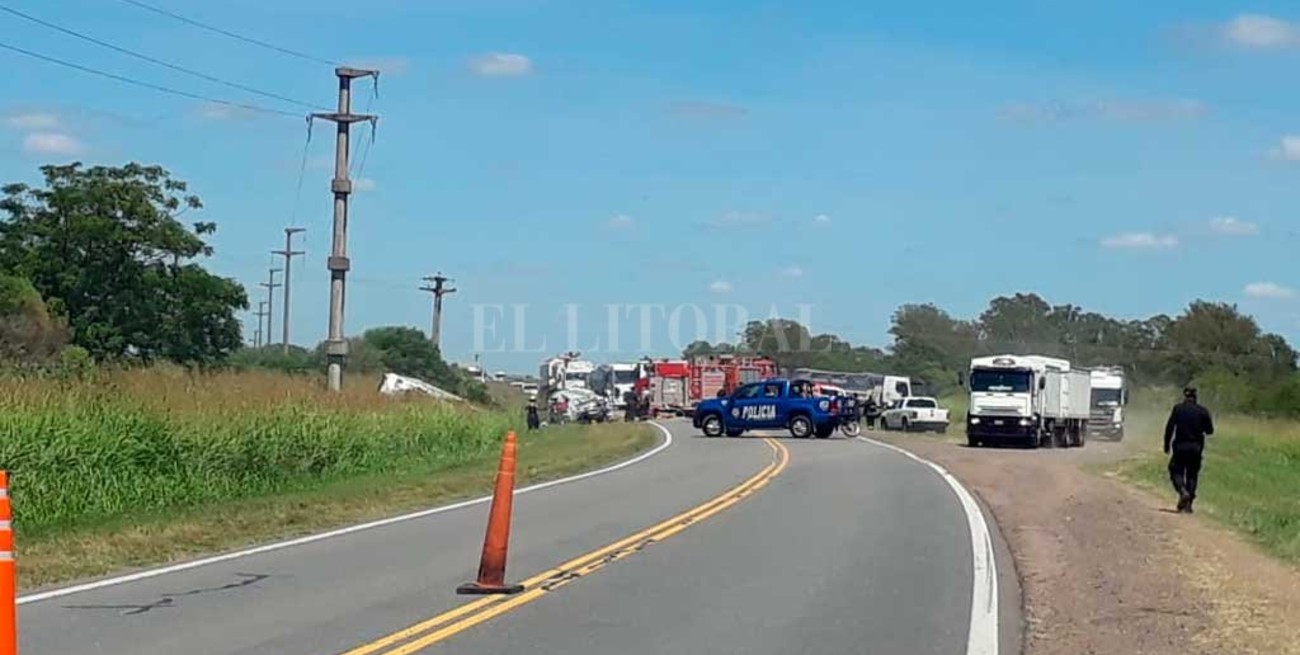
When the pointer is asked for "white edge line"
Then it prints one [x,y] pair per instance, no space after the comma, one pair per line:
[983,636]
[360,527]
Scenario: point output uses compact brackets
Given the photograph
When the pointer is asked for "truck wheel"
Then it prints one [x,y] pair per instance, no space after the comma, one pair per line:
[801,427]
[712,425]
[973,442]
[824,431]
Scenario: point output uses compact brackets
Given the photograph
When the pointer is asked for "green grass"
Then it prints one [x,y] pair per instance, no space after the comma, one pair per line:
[151,538]
[87,458]
[142,467]
[1250,481]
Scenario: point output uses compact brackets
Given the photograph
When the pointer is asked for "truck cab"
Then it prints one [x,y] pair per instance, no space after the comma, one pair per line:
[614,381]
[774,403]
[1109,396]
[1030,399]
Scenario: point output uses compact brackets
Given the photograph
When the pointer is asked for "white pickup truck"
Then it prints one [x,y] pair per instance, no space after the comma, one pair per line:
[915,414]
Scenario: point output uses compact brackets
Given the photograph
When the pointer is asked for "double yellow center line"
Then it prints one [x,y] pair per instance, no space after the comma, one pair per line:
[427,633]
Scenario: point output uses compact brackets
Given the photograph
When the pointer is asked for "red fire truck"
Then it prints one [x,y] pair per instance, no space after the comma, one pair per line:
[712,375]
[675,386]
[666,382]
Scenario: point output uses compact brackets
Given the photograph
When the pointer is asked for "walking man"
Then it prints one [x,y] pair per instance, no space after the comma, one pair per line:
[1185,431]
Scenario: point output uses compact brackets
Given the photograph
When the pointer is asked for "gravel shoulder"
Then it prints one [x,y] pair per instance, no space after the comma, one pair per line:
[1109,568]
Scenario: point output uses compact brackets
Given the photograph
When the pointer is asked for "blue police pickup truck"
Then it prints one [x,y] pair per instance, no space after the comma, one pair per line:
[772,404]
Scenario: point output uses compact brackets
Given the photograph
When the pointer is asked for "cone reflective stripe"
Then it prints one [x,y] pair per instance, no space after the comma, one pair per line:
[492,565]
[8,581]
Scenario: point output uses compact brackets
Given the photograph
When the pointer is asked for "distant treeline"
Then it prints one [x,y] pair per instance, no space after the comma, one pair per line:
[1212,345]
[96,269]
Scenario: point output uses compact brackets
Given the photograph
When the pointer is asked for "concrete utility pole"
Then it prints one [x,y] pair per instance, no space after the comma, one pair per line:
[288,254]
[261,313]
[336,346]
[439,289]
[270,286]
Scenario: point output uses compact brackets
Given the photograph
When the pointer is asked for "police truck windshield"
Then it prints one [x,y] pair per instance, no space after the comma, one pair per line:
[624,377]
[996,381]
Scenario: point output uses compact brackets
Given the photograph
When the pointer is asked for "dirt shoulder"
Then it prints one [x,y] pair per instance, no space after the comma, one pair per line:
[1110,569]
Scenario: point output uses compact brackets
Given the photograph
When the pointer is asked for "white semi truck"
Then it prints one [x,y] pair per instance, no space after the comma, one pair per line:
[1109,396]
[564,372]
[614,381]
[1027,399]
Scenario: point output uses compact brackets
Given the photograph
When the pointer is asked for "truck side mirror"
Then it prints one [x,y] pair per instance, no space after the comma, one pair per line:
[1042,383]
[961,379]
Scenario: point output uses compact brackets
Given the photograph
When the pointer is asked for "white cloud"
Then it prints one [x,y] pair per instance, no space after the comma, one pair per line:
[216,111]
[1233,226]
[791,271]
[501,64]
[363,184]
[822,219]
[739,219]
[52,143]
[1268,290]
[1107,110]
[1288,148]
[622,221]
[720,286]
[1261,32]
[33,121]
[1140,241]
[707,111]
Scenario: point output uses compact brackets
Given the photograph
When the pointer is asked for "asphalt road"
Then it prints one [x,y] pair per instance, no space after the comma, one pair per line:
[841,547]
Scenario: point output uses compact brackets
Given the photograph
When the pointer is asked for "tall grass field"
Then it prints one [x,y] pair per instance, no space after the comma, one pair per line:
[1250,480]
[157,440]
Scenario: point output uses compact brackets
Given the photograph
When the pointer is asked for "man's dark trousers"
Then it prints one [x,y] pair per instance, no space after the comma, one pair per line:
[1185,470]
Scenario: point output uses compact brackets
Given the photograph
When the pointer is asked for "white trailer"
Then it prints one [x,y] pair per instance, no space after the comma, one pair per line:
[1030,399]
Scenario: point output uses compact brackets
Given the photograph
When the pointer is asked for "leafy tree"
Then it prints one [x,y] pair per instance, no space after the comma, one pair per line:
[927,338]
[28,333]
[105,246]
[1217,336]
[407,351]
[297,360]
[1021,321]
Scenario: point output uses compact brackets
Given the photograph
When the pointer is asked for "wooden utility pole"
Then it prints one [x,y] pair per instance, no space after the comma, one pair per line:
[439,289]
[270,286]
[288,254]
[336,346]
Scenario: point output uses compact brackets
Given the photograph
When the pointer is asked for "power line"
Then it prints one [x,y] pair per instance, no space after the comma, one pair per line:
[147,85]
[239,37]
[155,60]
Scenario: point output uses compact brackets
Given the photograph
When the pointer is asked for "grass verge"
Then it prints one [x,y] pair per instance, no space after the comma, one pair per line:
[1250,481]
[169,535]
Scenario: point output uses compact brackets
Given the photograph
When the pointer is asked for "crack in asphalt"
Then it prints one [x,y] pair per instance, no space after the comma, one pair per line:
[169,600]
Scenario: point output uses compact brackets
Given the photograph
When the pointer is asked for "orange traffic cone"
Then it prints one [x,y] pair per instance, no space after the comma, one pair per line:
[8,581]
[492,566]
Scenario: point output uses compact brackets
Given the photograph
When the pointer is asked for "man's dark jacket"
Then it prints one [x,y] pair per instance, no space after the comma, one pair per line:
[1187,427]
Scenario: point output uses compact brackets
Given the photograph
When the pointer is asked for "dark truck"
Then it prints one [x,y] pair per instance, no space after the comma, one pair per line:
[773,404]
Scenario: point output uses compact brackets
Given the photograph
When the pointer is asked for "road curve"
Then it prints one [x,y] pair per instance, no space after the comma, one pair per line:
[817,546]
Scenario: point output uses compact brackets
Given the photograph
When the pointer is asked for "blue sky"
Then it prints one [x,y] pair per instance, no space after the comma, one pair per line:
[852,157]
